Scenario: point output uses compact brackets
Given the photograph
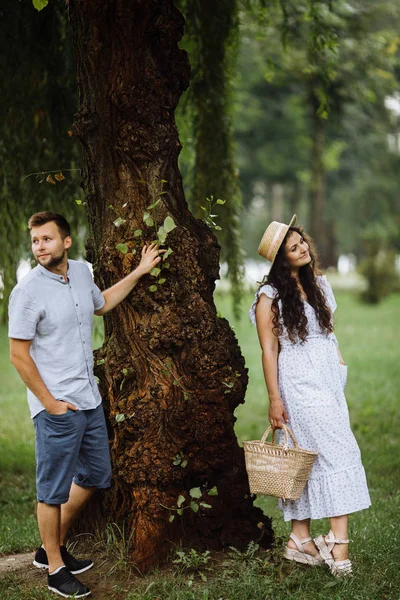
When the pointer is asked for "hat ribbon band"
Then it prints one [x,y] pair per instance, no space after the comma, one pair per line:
[274,241]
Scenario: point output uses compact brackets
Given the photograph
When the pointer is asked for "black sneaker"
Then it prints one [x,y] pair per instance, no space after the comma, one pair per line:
[73,565]
[66,585]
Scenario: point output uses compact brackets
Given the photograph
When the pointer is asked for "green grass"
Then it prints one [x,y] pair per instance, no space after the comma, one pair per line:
[369,344]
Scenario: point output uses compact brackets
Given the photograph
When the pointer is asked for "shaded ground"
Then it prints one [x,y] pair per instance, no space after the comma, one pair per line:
[103,585]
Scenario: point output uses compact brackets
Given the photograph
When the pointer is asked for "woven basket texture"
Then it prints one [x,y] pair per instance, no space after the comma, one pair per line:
[275,470]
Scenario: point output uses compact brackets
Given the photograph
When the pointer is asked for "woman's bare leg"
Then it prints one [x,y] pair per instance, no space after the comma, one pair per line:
[340,529]
[302,530]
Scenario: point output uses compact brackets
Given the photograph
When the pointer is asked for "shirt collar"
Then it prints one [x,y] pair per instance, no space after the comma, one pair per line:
[47,273]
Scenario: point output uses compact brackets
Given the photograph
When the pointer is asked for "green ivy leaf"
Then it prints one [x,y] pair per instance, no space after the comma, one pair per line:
[154,204]
[180,511]
[162,235]
[213,491]
[184,463]
[171,518]
[40,4]
[79,202]
[180,501]
[195,492]
[119,417]
[155,272]
[122,248]
[161,281]
[205,505]
[148,219]
[194,506]
[153,288]
[167,253]
[137,232]
[169,224]
[219,201]
[120,221]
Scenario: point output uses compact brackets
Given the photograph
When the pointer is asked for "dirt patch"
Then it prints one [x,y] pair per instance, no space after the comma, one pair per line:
[104,586]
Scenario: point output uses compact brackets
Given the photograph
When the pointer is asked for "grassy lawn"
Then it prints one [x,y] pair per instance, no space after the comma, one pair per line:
[370,346]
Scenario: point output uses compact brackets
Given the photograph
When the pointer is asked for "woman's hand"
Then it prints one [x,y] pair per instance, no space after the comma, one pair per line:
[276,414]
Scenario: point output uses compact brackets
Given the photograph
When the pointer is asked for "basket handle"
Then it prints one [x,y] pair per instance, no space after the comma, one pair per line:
[286,431]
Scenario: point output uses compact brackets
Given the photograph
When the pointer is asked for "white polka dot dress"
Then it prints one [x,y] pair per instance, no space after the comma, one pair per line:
[311,385]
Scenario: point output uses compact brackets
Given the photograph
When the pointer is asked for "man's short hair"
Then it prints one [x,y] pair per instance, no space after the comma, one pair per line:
[41,218]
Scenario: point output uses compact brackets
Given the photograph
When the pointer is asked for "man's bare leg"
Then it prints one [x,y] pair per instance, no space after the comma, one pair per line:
[49,521]
[78,497]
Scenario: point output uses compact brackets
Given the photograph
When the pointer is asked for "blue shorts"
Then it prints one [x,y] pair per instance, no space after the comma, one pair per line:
[71,447]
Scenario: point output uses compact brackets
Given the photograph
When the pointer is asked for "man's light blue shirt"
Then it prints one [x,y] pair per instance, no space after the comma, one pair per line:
[57,315]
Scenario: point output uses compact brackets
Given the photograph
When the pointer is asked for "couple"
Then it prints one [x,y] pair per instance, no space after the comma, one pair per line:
[50,329]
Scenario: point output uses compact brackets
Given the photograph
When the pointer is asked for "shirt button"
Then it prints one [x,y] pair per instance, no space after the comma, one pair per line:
[76,305]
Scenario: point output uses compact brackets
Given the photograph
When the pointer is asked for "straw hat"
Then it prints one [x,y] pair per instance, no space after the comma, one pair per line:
[273,238]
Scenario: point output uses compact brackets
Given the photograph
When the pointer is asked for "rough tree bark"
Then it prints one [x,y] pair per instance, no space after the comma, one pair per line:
[171,366]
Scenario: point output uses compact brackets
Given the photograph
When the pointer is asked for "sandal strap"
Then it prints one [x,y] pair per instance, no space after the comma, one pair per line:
[298,542]
[331,540]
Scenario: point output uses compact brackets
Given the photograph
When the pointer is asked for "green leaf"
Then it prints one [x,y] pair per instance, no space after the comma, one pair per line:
[155,272]
[205,505]
[186,396]
[195,492]
[161,281]
[120,221]
[122,248]
[154,204]
[40,4]
[167,253]
[213,491]
[137,232]
[153,288]
[119,417]
[184,463]
[166,266]
[219,201]
[218,228]
[125,372]
[194,506]
[171,518]
[97,380]
[177,462]
[148,219]
[162,235]
[101,361]
[180,501]
[180,511]
[169,224]
[79,202]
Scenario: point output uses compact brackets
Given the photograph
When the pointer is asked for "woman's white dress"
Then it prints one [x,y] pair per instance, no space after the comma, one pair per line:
[311,385]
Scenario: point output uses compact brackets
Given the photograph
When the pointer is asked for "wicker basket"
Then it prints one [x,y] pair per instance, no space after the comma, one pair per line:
[275,470]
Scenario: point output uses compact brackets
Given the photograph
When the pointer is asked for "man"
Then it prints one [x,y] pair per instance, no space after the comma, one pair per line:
[50,330]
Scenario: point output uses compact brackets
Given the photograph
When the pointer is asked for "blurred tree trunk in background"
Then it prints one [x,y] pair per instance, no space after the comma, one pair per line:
[171,370]
[317,191]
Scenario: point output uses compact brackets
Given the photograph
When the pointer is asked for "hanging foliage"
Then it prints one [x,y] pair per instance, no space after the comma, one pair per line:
[212,42]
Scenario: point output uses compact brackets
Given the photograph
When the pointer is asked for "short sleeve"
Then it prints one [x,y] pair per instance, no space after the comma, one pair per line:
[24,314]
[97,296]
[327,289]
[269,291]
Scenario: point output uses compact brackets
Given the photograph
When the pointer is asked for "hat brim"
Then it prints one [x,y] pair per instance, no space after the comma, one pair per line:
[264,248]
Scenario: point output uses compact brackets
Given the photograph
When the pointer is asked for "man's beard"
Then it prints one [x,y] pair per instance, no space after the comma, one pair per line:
[55,261]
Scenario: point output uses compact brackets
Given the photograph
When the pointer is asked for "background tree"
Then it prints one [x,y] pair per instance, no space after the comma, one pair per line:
[37,103]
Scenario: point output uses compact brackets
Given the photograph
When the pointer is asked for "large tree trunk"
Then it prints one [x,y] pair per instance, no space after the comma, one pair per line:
[171,366]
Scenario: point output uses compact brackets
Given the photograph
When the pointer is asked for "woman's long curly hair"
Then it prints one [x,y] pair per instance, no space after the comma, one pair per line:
[293,315]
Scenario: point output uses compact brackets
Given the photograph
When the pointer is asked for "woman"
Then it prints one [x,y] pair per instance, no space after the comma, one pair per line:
[305,377]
